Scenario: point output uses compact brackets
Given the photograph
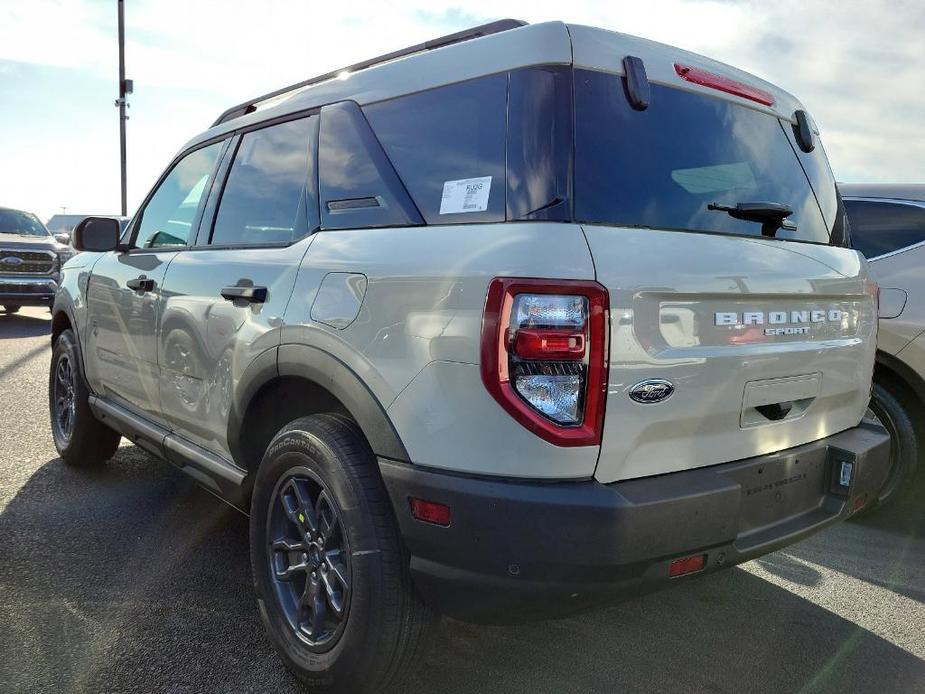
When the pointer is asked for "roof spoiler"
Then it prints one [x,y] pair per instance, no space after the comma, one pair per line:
[460,36]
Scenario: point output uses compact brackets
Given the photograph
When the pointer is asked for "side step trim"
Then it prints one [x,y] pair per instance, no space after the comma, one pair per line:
[190,454]
[213,471]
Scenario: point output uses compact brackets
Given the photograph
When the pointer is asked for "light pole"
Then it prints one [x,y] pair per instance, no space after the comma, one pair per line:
[125,88]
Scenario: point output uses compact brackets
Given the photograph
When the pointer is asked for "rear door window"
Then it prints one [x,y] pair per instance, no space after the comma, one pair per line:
[269,196]
[448,147]
[878,228]
[662,167]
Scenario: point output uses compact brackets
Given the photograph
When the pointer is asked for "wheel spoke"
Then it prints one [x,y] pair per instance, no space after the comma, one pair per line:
[335,567]
[290,571]
[299,508]
[312,602]
[283,566]
[327,518]
[284,545]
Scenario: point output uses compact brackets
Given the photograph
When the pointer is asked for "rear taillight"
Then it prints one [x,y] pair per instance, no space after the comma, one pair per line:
[709,79]
[544,356]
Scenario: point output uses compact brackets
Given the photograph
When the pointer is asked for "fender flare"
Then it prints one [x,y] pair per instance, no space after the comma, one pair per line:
[330,373]
[64,303]
[905,372]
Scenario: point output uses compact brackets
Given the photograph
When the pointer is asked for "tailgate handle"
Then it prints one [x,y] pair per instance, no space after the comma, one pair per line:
[775,411]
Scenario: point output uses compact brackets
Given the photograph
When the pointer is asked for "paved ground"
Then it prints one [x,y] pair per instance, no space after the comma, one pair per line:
[132,579]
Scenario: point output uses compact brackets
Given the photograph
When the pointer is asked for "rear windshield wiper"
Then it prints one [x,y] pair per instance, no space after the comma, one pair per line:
[772,215]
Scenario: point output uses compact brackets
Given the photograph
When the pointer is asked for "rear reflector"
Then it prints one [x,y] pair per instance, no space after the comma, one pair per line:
[723,84]
[430,511]
[859,503]
[688,565]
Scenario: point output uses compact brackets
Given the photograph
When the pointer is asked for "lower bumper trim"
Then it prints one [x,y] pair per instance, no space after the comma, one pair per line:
[518,550]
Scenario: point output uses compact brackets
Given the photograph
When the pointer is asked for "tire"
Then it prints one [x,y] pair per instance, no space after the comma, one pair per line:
[322,464]
[11,308]
[81,439]
[894,414]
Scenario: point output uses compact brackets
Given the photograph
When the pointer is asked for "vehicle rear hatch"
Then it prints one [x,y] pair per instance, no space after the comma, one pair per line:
[736,336]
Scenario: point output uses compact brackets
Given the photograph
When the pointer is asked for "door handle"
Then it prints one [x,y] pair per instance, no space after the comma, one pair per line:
[250,294]
[141,284]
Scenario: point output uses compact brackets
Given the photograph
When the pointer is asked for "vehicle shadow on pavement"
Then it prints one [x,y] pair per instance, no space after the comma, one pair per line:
[16,326]
[131,578]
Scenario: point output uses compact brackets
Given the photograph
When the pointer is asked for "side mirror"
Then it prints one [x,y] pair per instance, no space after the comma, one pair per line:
[99,234]
[63,237]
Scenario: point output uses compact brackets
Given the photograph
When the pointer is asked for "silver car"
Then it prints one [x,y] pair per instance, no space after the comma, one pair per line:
[888,227]
[502,326]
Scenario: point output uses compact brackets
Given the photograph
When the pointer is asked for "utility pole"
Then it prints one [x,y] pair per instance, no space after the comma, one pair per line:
[125,88]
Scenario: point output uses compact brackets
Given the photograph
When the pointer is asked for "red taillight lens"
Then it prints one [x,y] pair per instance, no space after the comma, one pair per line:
[430,511]
[544,356]
[724,84]
[541,344]
[688,565]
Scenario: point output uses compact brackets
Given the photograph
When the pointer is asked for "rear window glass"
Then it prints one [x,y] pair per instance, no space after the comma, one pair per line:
[878,228]
[269,195]
[662,167]
[447,145]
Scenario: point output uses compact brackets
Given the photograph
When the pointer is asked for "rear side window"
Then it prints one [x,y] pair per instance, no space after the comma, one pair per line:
[539,149]
[447,145]
[269,196]
[357,184]
[663,166]
[878,228]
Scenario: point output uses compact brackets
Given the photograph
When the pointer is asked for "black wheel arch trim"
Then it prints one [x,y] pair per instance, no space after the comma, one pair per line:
[64,304]
[904,371]
[328,372]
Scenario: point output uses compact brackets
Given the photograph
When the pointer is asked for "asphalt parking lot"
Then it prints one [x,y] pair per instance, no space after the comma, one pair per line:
[133,579]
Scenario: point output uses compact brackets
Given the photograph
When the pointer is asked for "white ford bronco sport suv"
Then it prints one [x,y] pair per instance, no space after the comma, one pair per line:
[505,325]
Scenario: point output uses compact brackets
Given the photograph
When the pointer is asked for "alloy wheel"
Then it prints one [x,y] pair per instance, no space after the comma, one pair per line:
[309,559]
[65,397]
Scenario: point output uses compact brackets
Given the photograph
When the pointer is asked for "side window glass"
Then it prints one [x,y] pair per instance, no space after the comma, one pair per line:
[269,195]
[447,144]
[819,173]
[167,219]
[539,147]
[878,228]
[358,186]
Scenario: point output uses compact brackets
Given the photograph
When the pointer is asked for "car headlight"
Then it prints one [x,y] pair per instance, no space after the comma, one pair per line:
[64,255]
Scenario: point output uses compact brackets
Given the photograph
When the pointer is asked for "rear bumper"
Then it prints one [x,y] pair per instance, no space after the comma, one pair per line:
[516,551]
[28,291]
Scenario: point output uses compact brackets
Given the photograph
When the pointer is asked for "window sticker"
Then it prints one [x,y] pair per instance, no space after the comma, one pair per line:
[465,195]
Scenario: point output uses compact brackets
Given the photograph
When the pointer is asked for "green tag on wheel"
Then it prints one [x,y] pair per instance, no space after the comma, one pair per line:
[301,518]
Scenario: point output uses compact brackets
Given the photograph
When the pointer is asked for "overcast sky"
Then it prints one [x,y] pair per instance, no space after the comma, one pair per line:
[859,67]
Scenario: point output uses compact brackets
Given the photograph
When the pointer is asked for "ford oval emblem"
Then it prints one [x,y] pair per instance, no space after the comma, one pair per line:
[651,390]
[12,260]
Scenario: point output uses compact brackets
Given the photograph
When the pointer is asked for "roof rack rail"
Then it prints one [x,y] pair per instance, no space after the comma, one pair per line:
[495,27]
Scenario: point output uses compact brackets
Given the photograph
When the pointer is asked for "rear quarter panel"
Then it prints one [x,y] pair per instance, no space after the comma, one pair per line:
[904,271]
[415,340]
